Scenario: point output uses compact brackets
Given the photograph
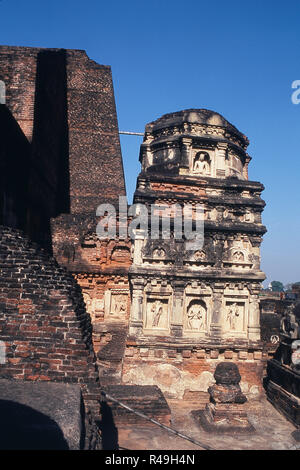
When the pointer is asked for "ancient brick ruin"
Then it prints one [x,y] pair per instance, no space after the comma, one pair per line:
[44,323]
[208,297]
[148,312]
[222,280]
[283,378]
[61,131]
[59,153]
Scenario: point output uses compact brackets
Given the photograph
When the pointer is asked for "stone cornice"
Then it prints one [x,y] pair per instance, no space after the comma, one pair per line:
[184,273]
[202,181]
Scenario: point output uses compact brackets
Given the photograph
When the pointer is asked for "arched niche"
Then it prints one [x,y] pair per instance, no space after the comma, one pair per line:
[201,163]
[121,254]
[196,315]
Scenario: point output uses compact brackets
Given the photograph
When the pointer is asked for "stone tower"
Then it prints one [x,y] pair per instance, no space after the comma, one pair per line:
[197,305]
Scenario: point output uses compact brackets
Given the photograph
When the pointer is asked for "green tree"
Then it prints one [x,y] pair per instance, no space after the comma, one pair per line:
[277,286]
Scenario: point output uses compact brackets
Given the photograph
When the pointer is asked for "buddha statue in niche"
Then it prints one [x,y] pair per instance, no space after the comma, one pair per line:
[201,163]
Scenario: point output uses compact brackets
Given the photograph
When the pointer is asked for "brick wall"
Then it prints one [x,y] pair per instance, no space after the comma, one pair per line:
[186,373]
[64,105]
[18,71]
[96,169]
[43,321]
[14,154]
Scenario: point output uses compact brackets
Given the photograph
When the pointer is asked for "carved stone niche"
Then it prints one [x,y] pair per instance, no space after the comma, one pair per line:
[227,214]
[98,305]
[201,163]
[173,153]
[196,317]
[158,255]
[234,165]
[199,259]
[121,254]
[237,257]
[156,252]
[248,217]
[211,214]
[116,304]
[94,306]
[235,312]
[197,311]
[88,303]
[202,258]
[169,153]
[157,310]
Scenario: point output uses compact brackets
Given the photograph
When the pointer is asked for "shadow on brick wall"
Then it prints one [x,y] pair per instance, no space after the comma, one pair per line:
[23,428]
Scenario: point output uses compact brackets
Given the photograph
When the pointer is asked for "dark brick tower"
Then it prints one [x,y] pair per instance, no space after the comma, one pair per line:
[59,126]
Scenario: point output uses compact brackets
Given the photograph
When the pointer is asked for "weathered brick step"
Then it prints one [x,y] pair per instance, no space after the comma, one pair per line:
[148,400]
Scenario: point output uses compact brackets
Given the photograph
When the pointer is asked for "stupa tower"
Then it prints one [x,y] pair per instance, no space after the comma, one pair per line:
[186,301]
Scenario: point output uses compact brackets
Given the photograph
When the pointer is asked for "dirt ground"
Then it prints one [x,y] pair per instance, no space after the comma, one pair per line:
[273,431]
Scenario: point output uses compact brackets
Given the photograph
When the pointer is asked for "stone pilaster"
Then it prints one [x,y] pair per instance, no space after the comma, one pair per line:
[185,152]
[254,318]
[138,246]
[216,320]
[136,310]
[177,311]
[220,159]
[147,156]
[245,168]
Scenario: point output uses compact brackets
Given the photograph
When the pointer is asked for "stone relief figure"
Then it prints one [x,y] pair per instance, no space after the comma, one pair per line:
[196,316]
[199,255]
[225,213]
[232,315]
[295,357]
[156,310]
[288,352]
[289,324]
[201,163]
[238,256]
[171,153]
[119,304]
[248,217]
[159,253]
[213,214]
[88,303]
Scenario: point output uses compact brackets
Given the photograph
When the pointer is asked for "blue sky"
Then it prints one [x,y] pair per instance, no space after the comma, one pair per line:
[237,58]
